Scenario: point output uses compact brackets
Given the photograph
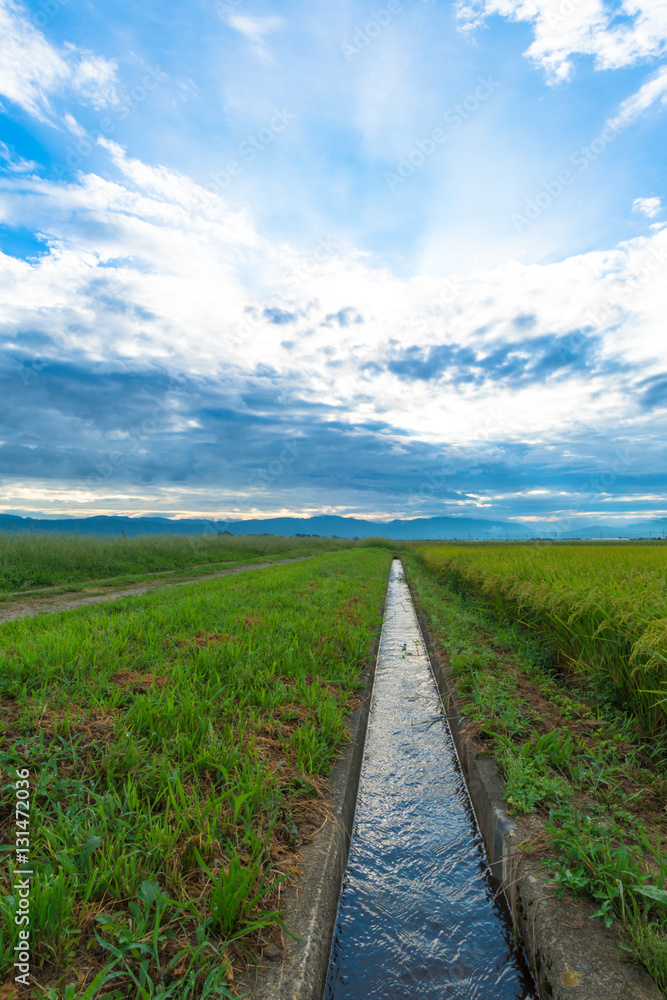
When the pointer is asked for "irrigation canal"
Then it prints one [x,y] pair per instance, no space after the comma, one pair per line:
[417,916]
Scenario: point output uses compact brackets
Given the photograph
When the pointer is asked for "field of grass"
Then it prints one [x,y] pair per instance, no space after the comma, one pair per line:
[602,607]
[30,560]
[177,745]
[593,785]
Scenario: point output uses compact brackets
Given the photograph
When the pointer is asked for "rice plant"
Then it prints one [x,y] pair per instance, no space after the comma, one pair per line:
[603,608]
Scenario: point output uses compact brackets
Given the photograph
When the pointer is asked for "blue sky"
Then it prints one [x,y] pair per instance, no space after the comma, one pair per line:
[388,260]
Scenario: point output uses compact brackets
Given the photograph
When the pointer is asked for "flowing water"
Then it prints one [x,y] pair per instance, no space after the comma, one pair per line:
[417,918]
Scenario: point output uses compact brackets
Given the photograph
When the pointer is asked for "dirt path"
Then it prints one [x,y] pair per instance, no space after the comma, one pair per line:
[45,606]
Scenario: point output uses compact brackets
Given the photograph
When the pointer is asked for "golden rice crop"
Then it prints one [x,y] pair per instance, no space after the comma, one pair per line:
[605,606]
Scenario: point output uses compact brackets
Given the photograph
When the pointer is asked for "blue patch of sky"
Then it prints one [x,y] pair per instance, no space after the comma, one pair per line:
[356,120]
[21,243]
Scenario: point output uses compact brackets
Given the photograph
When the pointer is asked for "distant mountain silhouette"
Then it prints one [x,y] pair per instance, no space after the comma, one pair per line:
[326,525]
[655,528]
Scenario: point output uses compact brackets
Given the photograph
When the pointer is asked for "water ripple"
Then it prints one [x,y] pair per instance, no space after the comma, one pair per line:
[417,915]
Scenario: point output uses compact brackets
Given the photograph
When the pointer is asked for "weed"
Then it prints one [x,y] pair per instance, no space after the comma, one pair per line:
[529,779]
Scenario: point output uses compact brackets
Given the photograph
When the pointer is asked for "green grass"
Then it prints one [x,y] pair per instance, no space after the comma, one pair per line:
[31,560]
[603,609]
[583,768]
[177,744]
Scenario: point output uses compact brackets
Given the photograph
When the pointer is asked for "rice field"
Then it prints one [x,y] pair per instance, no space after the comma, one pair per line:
[590,786]
[603,608]
[174,749]
[54,559]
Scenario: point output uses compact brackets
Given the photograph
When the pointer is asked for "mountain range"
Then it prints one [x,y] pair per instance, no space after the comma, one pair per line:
[327,526]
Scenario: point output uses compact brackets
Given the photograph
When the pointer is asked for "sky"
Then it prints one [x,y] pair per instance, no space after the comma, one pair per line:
[382,260]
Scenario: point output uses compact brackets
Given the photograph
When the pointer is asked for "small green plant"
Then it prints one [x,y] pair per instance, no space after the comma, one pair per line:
[235,894]
[614,872]
[92,991]
[647,944]
[142,933]
[527,770]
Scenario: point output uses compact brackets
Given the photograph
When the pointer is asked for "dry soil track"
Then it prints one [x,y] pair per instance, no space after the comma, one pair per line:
[46,605]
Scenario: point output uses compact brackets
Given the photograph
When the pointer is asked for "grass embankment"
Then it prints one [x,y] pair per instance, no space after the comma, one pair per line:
[32,560]
[177,744]
[581,771]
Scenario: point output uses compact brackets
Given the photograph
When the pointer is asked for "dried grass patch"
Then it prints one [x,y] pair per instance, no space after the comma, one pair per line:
[202,640]
[139,682]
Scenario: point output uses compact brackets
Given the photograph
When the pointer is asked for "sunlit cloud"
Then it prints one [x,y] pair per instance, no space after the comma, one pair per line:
[33,71]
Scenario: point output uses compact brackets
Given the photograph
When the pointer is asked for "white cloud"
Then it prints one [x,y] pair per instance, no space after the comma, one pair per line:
[194,279]
[93,78]
[30,68]
[649,207]
[564,28]
[653,90]
[15,163]
[255,29]
[33,72]
[73,125]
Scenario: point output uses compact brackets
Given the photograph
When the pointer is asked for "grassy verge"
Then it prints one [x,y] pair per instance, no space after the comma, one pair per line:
[127,579]
[177,745]
[590,788]
[31,561]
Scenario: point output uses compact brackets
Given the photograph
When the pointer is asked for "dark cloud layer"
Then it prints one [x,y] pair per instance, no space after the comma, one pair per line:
[98,426]
[279,316]
[654,394]
[533,360]
[344,317]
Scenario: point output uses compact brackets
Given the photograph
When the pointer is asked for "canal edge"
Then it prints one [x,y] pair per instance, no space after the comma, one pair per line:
[571,956]
[311,906]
